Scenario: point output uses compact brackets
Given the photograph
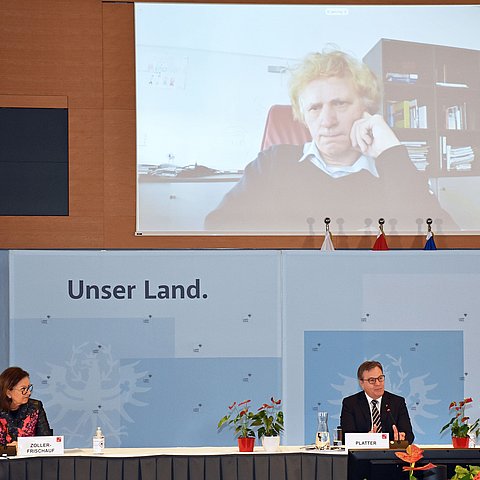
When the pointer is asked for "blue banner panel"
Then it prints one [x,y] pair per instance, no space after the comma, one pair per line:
[424,367]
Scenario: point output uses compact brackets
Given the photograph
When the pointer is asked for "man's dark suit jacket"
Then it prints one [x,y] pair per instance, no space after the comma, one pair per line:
[356,418]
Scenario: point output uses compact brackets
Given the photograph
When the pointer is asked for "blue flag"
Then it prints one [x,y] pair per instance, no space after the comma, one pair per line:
[430,243]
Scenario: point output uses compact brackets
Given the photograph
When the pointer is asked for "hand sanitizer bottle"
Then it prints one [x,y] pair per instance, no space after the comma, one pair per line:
[98,441]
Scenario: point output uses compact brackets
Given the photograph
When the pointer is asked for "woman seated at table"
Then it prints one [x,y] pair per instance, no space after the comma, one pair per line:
[20,415]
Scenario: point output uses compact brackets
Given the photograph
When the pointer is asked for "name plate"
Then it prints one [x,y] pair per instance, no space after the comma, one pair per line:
[366,440]
[40,445]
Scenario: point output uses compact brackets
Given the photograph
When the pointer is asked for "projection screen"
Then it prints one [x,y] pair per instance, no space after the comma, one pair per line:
[385,120]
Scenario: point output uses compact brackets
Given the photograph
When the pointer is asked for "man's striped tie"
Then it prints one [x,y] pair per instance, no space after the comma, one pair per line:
[376,416]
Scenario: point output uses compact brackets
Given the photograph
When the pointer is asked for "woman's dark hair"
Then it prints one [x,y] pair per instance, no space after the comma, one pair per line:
[8,379]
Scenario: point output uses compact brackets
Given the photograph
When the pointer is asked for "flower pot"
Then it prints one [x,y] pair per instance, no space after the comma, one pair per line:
[271,444]
[460,442]
[246,444]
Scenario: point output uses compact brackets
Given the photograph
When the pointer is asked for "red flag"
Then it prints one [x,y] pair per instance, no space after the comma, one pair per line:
[381,241]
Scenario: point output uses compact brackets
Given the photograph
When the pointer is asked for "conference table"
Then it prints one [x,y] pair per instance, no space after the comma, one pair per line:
[202,463]
[217,463]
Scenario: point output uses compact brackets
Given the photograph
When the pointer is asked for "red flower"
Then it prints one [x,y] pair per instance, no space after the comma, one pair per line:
[239,418]
[461,424]
[428,466]
[411,455]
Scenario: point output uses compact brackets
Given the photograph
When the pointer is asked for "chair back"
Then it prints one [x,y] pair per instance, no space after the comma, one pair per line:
[282,128]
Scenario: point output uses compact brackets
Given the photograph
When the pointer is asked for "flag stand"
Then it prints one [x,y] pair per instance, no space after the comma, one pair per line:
[430,243]
[327,242]
[381,241]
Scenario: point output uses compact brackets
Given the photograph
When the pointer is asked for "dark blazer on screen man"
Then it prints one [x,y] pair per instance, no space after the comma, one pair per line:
[356,417]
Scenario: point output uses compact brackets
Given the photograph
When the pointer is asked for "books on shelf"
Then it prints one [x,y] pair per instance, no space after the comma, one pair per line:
[398,77]
[451,84]
[455,158]
[406,114]
[456,117]
[418,153]
[422,116]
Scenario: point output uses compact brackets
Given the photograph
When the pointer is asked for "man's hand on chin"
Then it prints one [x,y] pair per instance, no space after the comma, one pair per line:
[372,136]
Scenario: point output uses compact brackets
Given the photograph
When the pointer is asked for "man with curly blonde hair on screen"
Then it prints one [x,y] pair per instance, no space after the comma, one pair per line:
[355,170]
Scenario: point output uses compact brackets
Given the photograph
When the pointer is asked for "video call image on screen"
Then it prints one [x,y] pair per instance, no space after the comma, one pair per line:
[266,119]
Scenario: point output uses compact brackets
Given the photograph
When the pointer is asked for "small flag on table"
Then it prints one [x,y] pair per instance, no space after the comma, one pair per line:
[327,242]
[381,241]
[430,243]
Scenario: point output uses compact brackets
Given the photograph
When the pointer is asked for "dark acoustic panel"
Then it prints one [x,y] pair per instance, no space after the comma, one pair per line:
[33,161]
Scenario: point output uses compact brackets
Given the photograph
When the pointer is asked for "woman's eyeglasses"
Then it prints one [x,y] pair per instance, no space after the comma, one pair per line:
[24,390]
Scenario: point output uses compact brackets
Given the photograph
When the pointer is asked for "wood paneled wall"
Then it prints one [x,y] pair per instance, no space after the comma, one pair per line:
[80,53]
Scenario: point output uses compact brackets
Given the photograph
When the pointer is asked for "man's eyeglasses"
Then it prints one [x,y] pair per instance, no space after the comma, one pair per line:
[373,380]
[24,390]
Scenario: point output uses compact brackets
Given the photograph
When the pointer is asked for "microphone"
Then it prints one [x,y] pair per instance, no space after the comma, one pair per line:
[389,412]
[387,408]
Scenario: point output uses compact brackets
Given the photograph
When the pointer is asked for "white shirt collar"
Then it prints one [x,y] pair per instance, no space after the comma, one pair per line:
[379,400]
[311,152]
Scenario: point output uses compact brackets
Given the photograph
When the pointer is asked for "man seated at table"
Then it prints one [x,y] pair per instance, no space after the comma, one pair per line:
[374,409]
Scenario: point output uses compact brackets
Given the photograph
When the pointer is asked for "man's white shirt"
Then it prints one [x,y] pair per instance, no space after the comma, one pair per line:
[311,153]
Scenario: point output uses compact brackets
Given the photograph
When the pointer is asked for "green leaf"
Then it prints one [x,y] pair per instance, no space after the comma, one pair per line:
[462,473]
[222,421]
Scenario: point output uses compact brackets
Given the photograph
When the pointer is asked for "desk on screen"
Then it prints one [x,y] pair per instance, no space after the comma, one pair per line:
[179,204]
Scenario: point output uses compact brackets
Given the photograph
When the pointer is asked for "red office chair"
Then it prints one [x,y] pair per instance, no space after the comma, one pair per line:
[282,128]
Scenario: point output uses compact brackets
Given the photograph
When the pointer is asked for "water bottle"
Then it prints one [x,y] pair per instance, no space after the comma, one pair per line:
[322,441]
[98,441]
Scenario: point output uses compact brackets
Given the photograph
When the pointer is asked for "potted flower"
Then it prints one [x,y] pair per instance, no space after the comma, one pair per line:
[412,455]
[459,425]
[241,419]
[269,420]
